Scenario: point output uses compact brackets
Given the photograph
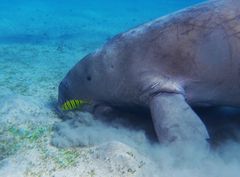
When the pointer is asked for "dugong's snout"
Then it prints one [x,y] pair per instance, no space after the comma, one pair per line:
[62,93]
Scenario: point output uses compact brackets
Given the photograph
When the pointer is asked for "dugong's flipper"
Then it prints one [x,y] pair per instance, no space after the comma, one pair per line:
[174,120]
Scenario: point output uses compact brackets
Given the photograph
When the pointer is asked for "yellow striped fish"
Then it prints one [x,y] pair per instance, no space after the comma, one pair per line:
[73,104]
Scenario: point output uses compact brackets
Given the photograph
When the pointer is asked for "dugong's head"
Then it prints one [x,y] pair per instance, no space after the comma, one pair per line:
[79,83]
[85,82]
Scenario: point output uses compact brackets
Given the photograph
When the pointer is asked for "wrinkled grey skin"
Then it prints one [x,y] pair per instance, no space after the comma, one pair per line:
[191,57]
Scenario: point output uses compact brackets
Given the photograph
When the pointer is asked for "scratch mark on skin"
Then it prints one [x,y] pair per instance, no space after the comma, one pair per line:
[177,32]
[237,17]
[192,24]
[223,25]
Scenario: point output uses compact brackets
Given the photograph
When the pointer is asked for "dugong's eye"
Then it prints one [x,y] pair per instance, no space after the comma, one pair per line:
[89,78]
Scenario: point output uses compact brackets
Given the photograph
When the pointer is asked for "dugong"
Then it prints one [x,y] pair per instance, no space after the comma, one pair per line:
[188,58]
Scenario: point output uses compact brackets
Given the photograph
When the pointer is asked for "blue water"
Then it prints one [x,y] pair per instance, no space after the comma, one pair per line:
[38,22]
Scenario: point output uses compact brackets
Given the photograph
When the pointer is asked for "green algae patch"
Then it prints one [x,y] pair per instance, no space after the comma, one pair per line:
[8,146]
[92,173]
[31,135]
[17,139]
[14,138]
[67,158]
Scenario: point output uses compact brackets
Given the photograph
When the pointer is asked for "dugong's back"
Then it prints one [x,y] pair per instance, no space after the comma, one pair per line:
[197,49]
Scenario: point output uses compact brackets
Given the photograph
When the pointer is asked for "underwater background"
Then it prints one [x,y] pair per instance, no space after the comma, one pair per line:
[40,40]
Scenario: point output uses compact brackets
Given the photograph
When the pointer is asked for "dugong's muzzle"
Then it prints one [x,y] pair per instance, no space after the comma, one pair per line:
[66,100]
[62,93]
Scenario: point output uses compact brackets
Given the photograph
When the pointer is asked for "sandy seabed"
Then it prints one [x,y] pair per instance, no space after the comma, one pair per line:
[39,43]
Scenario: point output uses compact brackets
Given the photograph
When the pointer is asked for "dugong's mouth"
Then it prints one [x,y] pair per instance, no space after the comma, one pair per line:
[67,101]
